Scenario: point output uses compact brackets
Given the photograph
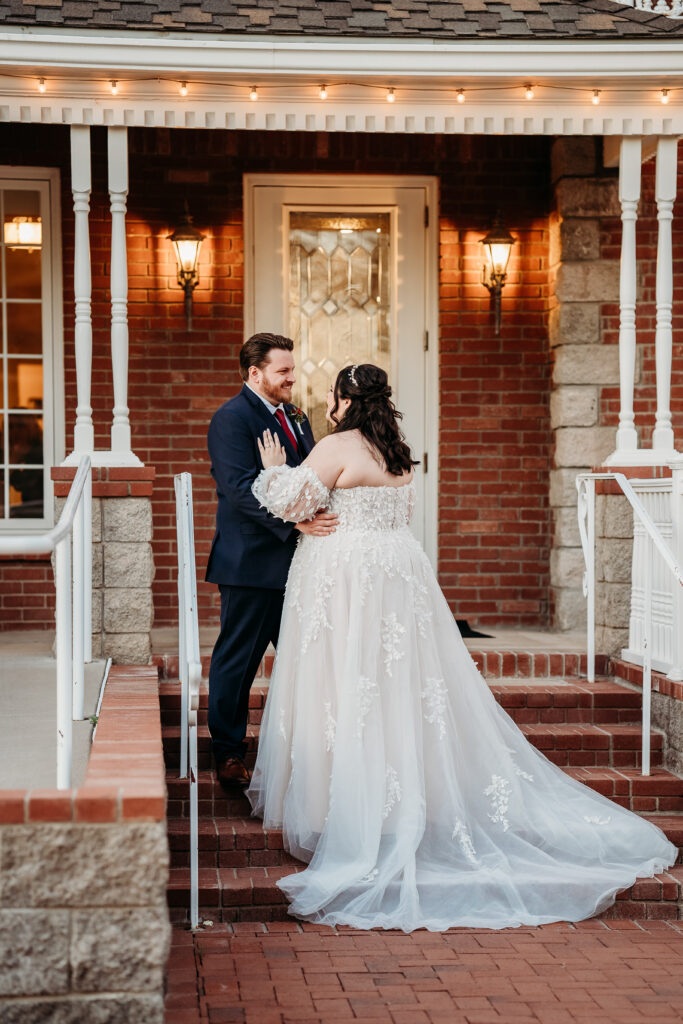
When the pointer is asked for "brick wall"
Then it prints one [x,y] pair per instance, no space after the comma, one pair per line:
[495,438]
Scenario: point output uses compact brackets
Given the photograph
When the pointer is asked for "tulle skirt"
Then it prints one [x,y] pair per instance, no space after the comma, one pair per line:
[392,770]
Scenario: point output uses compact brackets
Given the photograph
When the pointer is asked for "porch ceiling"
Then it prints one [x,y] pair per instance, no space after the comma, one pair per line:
[78,67]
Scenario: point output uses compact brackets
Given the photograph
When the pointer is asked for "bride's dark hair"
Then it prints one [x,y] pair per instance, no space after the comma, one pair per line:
[373,413]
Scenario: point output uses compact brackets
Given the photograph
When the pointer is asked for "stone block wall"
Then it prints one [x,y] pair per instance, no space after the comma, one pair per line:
[123,564]
[582,364]
[84,925]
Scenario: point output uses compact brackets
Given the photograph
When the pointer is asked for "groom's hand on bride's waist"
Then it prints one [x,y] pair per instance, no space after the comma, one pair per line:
[322,524]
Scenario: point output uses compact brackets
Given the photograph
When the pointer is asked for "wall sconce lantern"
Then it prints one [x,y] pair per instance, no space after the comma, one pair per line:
[187,242]
[497,246]
[24,233]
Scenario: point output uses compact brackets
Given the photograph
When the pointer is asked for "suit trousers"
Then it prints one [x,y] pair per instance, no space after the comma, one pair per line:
[250,620]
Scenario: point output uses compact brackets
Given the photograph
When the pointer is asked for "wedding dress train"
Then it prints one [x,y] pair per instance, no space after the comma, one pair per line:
[389,765]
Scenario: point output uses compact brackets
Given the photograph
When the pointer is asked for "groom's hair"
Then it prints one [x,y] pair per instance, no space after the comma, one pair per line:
[255,350]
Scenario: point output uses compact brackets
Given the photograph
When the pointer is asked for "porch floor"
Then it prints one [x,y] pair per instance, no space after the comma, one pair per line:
[28,724]
[165,640]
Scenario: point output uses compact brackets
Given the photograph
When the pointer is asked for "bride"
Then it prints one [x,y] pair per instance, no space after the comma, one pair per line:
[383,755]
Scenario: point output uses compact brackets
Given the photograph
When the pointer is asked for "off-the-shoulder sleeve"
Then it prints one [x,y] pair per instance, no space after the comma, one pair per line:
[293,493]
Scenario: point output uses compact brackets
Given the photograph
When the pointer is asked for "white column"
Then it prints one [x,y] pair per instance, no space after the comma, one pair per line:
[665,192]
[629,194]
[118,192]
[84,438]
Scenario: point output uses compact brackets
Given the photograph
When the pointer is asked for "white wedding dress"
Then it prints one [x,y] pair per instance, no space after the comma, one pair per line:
[389,765]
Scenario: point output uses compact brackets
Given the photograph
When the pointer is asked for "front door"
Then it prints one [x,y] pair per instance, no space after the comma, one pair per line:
[342,265]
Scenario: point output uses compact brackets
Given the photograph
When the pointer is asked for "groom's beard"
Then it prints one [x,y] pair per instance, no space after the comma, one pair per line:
[276,393]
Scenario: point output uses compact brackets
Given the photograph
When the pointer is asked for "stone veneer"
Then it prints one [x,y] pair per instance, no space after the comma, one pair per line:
[123,566]
[84,926]
[582,364]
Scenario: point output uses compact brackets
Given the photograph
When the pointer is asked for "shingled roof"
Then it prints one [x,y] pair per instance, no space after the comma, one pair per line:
[441,19]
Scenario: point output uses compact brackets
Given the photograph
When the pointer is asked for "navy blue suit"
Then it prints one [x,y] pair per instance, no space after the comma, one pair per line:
[249,560]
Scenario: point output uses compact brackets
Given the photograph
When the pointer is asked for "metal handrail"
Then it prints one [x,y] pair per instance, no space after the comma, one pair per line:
[73,606]
[585,485]
[189,670]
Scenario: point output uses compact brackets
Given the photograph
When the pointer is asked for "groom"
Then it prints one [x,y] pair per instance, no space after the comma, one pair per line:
[251,549]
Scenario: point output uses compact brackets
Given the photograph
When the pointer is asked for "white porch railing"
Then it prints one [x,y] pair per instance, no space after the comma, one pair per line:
[669,8]
[655,551]
[72,610]
[190,669]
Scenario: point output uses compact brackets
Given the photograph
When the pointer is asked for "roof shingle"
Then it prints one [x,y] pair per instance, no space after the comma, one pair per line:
[485,19]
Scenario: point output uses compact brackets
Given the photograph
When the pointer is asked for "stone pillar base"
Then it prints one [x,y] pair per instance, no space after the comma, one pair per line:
[123,566]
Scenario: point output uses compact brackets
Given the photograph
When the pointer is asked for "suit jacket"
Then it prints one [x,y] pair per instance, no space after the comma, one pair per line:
[251,548]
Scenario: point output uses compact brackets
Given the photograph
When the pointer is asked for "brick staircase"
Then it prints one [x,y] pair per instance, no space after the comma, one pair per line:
[591,730]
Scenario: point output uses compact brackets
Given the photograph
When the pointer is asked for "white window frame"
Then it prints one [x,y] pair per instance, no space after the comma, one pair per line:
[23,178]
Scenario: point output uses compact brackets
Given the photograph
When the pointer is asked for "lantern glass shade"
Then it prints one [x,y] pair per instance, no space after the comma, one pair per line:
[24,233]
[497,248]
[187,243]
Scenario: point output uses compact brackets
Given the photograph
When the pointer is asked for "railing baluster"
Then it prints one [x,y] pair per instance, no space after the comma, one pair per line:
[78,575]
[647,656]
[63,643]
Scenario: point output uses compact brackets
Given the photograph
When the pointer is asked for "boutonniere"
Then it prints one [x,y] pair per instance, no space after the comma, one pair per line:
[298,416]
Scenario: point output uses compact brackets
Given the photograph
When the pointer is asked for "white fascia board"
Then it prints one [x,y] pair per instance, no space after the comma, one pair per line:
[179,53]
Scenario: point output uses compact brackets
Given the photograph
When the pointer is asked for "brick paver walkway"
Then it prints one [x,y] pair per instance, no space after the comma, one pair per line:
[596,972]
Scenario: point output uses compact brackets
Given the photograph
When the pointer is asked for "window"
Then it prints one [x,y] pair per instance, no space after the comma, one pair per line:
[31,400]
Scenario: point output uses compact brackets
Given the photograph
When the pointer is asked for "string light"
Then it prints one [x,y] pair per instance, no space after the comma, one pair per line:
[253,95]
[323,92]
[664,95]
[596,97]
[529,92]
[41,85]
[183,88]
[461,96]
[114,87]
[390,96]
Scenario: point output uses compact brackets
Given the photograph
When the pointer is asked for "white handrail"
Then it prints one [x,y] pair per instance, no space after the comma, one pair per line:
[72,607]
[585,485]
[189,669]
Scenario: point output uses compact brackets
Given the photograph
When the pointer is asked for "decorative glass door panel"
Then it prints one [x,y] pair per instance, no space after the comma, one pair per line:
[341,264]
[339,300]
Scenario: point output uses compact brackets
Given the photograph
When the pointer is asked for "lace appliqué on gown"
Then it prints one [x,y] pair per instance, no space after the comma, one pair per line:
[462,834]
[435,696]
[393,791]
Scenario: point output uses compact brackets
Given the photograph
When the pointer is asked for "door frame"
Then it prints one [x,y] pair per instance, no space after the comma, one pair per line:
[430,186]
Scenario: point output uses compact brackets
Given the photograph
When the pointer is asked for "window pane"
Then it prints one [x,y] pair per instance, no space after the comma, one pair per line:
[22,237]
[26,440]
[26,493]
[24,328]
[25,383]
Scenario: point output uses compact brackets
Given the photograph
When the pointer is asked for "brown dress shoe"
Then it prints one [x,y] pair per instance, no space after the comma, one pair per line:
[233,772]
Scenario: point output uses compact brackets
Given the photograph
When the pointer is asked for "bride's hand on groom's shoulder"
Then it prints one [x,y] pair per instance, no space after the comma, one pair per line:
[272,452]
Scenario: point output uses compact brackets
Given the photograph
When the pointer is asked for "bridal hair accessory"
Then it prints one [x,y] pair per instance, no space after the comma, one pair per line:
[352,375]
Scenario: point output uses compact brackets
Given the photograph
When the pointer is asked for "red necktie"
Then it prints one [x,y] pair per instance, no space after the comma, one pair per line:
[280,417]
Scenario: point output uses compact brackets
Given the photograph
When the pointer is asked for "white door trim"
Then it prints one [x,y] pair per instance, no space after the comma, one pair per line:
[431,403]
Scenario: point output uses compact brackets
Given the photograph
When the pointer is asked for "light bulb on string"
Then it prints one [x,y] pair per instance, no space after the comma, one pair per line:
[114,87]
[391,96]
[253,95]
[323,92]
[664,95]
[529,92]
[183,88]
[596,97]
[41,85]
[460,96]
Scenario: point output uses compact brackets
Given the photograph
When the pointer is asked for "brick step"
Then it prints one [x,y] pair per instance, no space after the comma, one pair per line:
[250,894]
[495,664]
[579,744]
[545,701]
[242,842]
[661,792]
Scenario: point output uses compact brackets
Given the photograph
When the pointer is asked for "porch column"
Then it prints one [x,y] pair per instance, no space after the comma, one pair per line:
[84,437]
[665,192]
[629,194]
[118,191]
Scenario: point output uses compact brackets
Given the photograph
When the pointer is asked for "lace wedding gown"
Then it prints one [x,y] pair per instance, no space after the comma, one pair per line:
[389,765]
